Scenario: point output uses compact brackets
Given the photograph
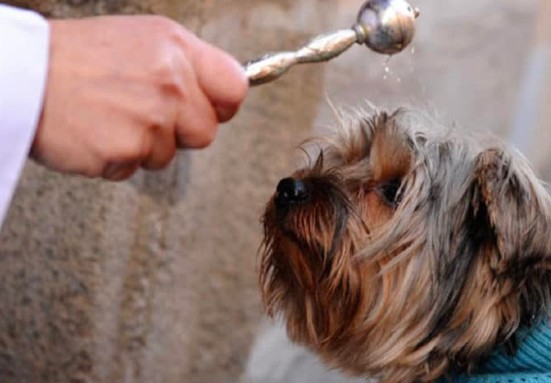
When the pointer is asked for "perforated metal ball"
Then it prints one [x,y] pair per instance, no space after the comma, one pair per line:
[386,26]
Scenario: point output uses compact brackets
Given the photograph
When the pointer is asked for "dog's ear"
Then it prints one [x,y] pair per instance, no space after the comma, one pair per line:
[517,209]
[391,156]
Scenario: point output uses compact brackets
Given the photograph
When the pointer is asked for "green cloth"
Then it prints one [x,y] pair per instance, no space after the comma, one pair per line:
[531,363]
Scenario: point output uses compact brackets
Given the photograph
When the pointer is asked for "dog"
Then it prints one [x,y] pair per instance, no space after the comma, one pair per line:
[406,251]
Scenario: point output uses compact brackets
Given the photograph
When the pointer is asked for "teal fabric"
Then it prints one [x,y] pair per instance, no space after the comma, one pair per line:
[531,363]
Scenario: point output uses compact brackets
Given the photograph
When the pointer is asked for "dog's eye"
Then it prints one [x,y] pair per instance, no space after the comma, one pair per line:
[390,191]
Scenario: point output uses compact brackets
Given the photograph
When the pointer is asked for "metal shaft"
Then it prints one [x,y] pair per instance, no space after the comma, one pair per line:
[385,26]
[323,48]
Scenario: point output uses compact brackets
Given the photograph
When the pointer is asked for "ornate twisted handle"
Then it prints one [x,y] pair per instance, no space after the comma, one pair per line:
[385,26]
[323,48]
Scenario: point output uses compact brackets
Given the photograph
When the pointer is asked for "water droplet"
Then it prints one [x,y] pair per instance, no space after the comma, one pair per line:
[411,69]
[386,68]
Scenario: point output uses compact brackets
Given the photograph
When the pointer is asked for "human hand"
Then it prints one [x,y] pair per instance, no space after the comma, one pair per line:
[125,91]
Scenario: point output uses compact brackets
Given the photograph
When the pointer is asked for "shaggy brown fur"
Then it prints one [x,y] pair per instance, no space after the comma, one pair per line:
[405,251]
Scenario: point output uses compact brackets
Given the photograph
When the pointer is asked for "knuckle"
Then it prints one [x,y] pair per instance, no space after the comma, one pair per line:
[156,121]
[199,134]
[131,150]
[177,34]
[142,150]
[120,174]
[169,156]
[206,138]
[161,157]
[162,161]
[169,65]
[91,172]
[169,75]
[163,24]
[164,70]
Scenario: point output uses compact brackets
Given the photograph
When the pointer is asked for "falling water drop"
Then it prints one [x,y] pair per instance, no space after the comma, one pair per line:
[411,69]
[386,68]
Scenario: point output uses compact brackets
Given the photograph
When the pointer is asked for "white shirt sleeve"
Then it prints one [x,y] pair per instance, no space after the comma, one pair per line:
[24,55]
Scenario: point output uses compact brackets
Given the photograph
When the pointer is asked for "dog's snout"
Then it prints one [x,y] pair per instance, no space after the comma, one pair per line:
[290,190]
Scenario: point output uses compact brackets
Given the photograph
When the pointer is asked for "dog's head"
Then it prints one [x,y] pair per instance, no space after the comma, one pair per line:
[404,251]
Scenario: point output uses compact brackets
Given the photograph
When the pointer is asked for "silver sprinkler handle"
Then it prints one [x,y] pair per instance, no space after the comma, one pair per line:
[385,26]
[271,66]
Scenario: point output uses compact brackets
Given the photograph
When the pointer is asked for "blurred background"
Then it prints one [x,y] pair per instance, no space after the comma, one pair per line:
[154,279]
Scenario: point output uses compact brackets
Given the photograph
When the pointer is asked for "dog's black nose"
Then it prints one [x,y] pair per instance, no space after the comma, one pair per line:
[290,190]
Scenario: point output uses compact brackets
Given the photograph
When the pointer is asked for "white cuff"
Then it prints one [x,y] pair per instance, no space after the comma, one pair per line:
[24,55]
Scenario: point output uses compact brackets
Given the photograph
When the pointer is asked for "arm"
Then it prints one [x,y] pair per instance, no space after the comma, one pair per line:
[24,38]
[123,92]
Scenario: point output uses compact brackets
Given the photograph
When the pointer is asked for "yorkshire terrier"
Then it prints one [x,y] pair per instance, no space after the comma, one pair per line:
[407,252]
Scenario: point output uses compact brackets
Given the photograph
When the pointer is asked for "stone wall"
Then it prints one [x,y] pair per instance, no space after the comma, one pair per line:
[154,280]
